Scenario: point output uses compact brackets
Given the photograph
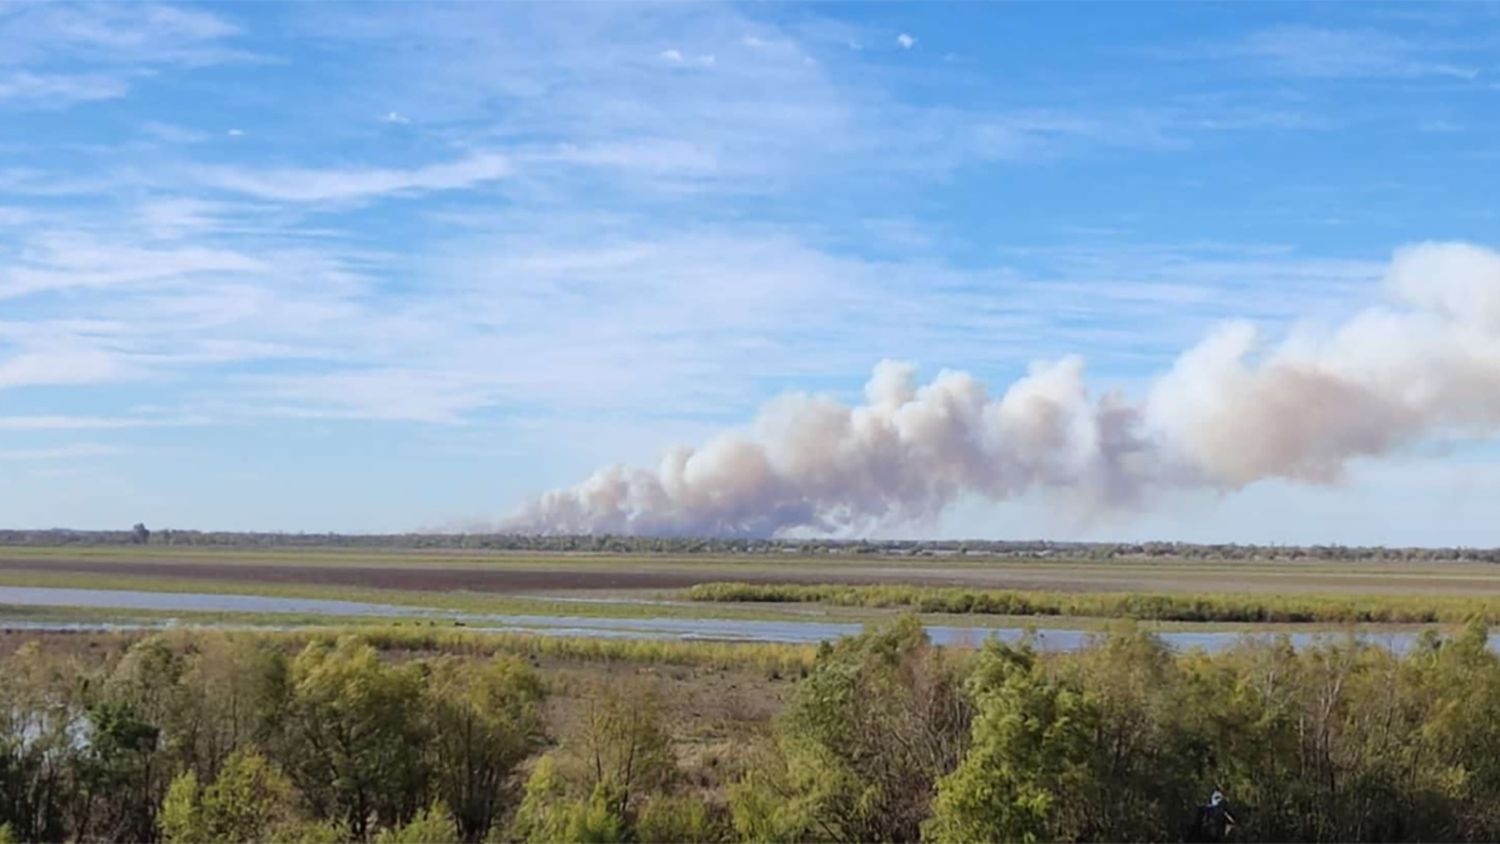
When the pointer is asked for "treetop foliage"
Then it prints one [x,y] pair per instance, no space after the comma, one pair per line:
[206,736]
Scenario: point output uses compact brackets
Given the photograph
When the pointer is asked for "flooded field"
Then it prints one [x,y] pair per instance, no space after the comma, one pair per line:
[717,629]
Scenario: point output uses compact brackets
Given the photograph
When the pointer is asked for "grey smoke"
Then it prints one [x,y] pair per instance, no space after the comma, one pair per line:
[1231,411]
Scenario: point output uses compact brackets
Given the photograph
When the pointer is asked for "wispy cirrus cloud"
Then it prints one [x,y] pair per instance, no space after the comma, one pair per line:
[55,90]
[61,364]
[1322,52]
[151,33]
[60,54]
[306,184]
[95,423]
[77,451]
[63,261]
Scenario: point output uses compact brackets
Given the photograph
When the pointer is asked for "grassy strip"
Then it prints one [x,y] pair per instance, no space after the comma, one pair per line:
[787,659]
[106,617]
[1157,606]
[459,602]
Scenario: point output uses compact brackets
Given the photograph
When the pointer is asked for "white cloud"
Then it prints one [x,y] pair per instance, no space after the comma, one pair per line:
[61,366]
[109,33]
[104,47]
[57,90]
[174,217]
[92,423]
[1345,54]
[674,56]
[334,185]
[906,42]
[80,451]
[395,117]
[173,133]
[62,261]
[783,112]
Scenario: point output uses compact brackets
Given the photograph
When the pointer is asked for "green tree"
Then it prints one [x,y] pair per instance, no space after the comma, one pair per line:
[181,817]
[235,691]
[1150,758]
[353,739]
[485,720]
[878,720]
[1029,755]
[117,774]
[618,758]
[251,800]
[39,706]
[623,745]
[550,811]
[671,819]
[432,825]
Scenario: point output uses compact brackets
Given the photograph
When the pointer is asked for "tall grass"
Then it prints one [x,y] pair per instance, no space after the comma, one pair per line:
[1152,606]
[787,659]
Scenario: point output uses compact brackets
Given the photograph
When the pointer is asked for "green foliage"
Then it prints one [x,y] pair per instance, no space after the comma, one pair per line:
[623,744]
[871,729]
[354,735]
[613,778]
[551,811]
[40,700]
[195,737]
[485,720]
[668,819]
[181,817]
[311,832]
[203,736]
[782,658]
[433,825]
[1145,606]
[117,774]
[542,815]
[761,808]
[251,800]
[1026,755]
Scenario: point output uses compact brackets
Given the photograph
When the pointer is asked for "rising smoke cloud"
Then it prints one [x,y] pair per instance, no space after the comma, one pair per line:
[1231,411]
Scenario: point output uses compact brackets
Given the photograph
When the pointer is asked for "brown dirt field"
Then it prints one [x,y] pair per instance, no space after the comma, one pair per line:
[516,580]
[420,577]
[424,577]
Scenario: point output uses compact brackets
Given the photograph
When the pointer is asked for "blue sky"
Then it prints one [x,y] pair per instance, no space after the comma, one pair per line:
[375,267]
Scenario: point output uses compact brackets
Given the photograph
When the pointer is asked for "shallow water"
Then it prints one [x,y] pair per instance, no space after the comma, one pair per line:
[717,629]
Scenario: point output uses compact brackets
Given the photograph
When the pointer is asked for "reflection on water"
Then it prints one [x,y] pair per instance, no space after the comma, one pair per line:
[718,629]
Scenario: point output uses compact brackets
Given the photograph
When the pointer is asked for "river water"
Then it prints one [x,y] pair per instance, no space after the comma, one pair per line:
[718,629]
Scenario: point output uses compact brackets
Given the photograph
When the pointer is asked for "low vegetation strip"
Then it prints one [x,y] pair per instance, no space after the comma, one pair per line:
[783,658]
[426,639]
[1400,609]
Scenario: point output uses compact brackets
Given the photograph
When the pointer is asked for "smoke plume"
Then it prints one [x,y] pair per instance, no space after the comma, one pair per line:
[1231,411]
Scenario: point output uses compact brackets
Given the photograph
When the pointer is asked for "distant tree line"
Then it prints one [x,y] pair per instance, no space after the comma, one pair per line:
[206,737]
[611,544]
